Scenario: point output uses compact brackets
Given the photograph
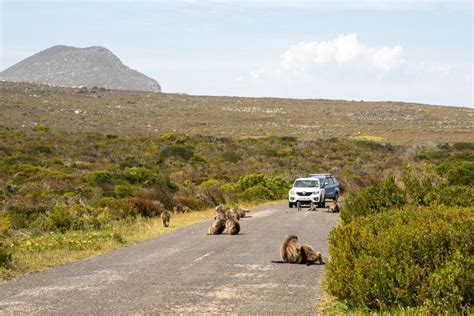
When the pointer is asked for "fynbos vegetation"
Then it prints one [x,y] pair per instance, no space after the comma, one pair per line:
[407,241]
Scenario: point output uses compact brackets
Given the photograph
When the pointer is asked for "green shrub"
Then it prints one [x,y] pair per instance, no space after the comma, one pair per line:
[58,218]
[42,149]
[462,173]
[404,258]
[374,199]
[178,151]
[463,146]
[417,190]
[101,177]
[139,175]
[5,256]
[257,193]
[231,156]
[40,128]
[451,195]
[124,190]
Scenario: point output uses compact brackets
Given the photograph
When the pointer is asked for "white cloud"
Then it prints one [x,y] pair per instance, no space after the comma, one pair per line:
[387,58]
[344,49]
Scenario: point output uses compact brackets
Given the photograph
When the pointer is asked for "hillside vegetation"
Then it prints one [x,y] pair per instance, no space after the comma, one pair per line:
[82,191]
[407,241]
[131,113]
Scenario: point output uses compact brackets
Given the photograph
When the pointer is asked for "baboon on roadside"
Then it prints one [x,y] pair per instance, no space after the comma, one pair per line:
[180,208]
[298,205]
[165,218]
[290,251]
[217,227]
[232,227]
[311,256]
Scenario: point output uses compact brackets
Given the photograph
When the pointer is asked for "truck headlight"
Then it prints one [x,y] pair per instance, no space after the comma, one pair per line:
[292,192]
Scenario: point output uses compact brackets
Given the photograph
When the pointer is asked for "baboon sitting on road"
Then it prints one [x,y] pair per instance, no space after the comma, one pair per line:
[232,227]
[217,227]
[165,218]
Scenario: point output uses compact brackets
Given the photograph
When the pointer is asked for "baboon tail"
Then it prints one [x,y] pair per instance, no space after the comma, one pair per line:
[279,261]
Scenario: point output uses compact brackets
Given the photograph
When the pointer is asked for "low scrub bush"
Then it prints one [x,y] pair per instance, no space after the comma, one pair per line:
[5,256]
[144,207]
[374,199]
[410,257]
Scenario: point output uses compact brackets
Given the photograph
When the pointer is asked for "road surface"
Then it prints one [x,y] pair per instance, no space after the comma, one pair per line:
[187,272]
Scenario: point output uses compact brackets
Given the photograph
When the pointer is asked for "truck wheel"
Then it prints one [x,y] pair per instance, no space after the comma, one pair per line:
[323,204]
[336,197]
[290,205]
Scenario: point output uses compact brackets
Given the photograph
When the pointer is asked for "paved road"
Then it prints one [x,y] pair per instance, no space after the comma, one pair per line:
[186,272]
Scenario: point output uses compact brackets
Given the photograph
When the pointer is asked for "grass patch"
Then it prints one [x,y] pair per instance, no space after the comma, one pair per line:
[36,253]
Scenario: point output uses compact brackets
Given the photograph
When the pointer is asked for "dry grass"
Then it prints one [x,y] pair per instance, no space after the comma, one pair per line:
[131,233]
[127,112]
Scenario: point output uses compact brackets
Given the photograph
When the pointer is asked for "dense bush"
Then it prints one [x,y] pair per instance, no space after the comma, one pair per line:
[259,187]
[178,151]
[374,199]
[409,257]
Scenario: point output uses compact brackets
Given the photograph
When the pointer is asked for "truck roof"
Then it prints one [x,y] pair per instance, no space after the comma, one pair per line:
[320,175]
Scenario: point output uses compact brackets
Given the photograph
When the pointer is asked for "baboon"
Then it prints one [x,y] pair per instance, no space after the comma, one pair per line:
[241,212]
[290,251]
[310,256]
[235,213]
[165,218]
[334,207]
[298,205]
[180,208]
[219,209]
[220,216]
[217,227]
[232,227]
[313,207]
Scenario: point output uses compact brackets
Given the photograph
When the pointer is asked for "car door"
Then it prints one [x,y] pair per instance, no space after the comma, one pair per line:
[331,187]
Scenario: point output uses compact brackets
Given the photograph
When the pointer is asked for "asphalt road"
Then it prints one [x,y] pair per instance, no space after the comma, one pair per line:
[187,272]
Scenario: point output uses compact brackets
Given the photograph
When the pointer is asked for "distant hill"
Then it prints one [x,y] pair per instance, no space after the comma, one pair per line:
[23,105]
[71,67]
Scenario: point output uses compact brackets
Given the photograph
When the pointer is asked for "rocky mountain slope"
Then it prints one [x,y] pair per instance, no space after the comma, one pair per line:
[70,66]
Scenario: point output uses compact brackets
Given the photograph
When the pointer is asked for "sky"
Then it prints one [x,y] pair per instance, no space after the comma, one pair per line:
[397,50]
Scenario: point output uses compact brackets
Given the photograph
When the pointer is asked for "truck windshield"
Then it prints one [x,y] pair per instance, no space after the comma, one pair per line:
[306,184]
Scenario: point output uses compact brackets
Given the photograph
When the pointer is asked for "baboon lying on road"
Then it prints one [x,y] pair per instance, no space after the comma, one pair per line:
[310,255]
[217,227]
[165,218]
[232,227]
[291,251]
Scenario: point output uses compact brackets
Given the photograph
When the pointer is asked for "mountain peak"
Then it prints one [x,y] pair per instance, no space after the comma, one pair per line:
[63,65]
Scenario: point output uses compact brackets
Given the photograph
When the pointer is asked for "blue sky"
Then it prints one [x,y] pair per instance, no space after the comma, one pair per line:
[418,51]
